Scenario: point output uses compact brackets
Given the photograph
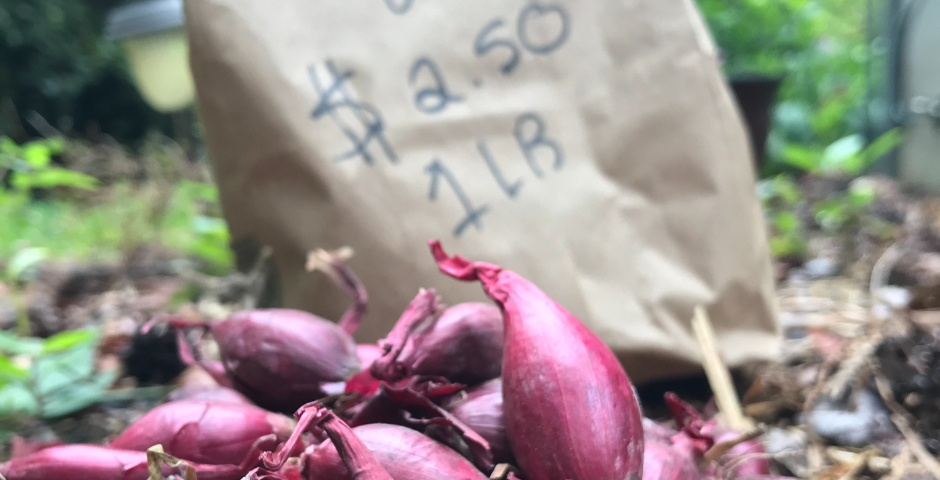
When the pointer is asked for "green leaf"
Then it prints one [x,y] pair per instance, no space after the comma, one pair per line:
[829,119]
[15,345]
[57,177]
[782,246]
[10,371]
[209,226]
[842,156]
[69,340]
[55,145]
[801,157]
[786,222]
[16,400]
[831,214]
[37,155]
[793,118]
[8,146]
[77,396]
[861,195]
[24,260]
[56,371]
[881,146]
[788,190]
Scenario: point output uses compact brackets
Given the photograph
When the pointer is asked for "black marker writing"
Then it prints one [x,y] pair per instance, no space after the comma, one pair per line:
[334,99]
[472,215]
[535,12]
[512,189]
[483,45]
[433,99]
[529,142]
[399,7]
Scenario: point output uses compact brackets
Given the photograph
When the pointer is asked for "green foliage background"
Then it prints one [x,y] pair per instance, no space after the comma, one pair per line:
[820,48]
[55,61]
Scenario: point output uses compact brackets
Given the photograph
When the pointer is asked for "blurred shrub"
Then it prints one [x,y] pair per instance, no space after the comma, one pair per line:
[170,210]
[818,46]
[57,63]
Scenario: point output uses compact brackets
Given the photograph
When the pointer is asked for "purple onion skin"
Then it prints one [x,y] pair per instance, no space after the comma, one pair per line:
[570,409]
[404,453]
[662,462]
[92,462]
[353,452]
[279,358]
[754,462]
[368,353]
[464,345]
[656,432]
[205,431]
[217,394]
[481,409]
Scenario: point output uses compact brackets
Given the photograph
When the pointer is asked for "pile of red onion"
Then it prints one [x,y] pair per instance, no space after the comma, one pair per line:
[449,393]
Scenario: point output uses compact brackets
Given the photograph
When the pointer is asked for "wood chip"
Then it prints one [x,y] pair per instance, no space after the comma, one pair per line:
[862,351]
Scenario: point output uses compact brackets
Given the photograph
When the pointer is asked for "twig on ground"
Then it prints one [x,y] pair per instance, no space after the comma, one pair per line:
[860,461]
[902,421]
[883,266]
[720,449]
[916,444]
[851,368]
[502,471]
[717,373]
[900,463]
[42,126]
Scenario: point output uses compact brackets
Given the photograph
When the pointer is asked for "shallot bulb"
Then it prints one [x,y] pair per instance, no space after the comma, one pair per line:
[91,462]
[404,453]
[464,344]
[481,409]
[571,412]
[205,431]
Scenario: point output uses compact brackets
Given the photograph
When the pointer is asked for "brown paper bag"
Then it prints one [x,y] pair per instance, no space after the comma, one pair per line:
[589,145]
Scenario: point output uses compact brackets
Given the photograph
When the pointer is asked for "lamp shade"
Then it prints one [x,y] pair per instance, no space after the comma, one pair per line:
[154,39]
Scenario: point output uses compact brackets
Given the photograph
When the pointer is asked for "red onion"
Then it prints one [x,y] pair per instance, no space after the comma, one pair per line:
[347,281]
[363,383]
[290,471]
[698,435]
[418,409]
[663,462]
[653,431]
[354,455]
[464,344]
[214,368]
[747,458]
[204,431]
[368,353]
[281,358]
[91,462]
[351,451]
[481,409]
[571,412]
[216,394]
[20,447]
[404,453]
